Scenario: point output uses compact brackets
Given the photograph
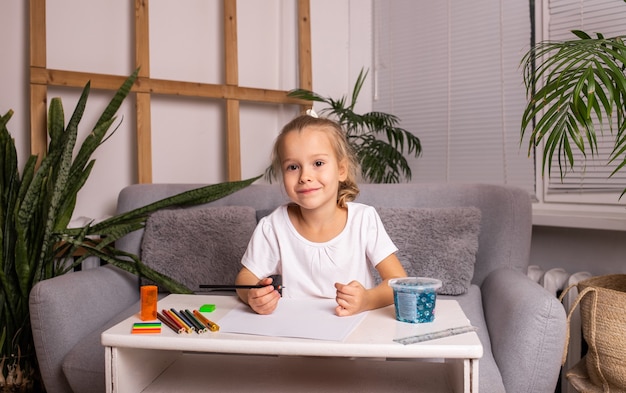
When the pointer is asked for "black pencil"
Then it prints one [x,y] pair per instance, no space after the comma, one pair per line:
[206,286]
[200,328]
[277,282]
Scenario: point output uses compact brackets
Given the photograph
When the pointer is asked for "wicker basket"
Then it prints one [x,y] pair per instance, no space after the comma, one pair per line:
[602,302]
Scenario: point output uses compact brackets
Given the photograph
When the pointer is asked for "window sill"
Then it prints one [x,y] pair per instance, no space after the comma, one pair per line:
[579,218]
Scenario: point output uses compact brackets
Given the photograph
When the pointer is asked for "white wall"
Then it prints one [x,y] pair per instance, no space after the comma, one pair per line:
[575,249]
[341,39]
[185,44]
[14,71]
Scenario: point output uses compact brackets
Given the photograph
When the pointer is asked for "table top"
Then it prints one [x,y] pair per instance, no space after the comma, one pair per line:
[373,337]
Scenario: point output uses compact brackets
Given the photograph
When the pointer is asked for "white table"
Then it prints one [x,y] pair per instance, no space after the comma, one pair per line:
[368,360]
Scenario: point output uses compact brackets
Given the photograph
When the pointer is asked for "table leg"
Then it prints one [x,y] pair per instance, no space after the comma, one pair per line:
[131,370]
[108,375]
[474,375]
[463,375]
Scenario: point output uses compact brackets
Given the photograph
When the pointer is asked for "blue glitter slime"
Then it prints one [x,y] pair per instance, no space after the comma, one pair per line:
[414,298]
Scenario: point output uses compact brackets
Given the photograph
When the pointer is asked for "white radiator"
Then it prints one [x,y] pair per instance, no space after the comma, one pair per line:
[555,280]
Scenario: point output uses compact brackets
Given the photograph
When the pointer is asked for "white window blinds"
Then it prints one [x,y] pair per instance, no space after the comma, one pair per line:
[590,175]
[450,70]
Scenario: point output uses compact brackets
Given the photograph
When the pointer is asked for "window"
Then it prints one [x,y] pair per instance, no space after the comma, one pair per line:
[450,70]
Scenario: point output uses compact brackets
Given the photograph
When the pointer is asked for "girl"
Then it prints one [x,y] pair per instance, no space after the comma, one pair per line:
[322,242]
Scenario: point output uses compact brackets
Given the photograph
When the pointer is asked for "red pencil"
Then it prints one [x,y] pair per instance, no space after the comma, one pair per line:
[169,323]
[176,321]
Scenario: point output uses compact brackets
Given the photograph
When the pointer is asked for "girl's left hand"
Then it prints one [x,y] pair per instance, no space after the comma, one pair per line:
[351,298]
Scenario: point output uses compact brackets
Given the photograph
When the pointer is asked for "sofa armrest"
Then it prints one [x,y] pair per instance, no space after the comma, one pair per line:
[527,330]
[66,308]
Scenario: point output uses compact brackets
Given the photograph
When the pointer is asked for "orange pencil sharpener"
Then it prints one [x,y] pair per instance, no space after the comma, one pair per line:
[149,295]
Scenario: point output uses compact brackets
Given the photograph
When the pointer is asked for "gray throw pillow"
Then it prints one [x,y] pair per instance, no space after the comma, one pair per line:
[198,245]
[436,242]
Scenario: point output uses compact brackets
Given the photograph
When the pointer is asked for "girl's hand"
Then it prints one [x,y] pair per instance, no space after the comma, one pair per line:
[351,298]
[263,300]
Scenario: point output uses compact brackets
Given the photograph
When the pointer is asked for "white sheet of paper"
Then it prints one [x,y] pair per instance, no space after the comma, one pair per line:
[301,318]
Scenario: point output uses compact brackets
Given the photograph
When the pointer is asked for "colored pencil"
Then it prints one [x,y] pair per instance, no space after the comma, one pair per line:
[174,322]
[169,323]
[146,327]
[166,314]
[231,287]
[202,328]
[147,324]
[145,331]
[178,320]
[214,327]
[184,319]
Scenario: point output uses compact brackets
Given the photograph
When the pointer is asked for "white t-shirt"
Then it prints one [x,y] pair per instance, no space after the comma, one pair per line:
[311,269]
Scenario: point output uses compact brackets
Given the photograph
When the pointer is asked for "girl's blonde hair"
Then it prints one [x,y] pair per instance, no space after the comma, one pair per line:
[348,189]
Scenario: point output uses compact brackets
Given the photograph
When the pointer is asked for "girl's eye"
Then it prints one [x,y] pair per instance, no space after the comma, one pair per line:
[319,163]
[292,167]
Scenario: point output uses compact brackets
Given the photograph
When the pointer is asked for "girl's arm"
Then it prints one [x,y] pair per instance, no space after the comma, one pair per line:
[353,298]
[261,300]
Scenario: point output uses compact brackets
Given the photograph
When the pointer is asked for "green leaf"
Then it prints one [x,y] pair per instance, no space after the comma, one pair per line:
[56,123]
[118,98]
[581,34]
[358,85]
[193,197]
[95,138]
[306,95]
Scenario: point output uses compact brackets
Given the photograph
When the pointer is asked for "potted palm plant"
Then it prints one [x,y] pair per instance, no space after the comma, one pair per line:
[377,139]
[573,87]
[36,205]
[576,88]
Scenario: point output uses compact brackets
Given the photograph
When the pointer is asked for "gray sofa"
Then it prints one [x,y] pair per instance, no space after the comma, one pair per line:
[522,326]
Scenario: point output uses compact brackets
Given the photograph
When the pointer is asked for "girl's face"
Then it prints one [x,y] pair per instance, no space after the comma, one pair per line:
[311,172]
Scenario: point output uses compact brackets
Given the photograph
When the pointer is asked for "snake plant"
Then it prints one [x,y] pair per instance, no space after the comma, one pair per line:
[36,206]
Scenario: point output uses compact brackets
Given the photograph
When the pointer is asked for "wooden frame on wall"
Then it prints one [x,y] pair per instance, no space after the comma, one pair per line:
[41,77]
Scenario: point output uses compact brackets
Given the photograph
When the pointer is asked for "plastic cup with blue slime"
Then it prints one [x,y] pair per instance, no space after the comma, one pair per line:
[414,298]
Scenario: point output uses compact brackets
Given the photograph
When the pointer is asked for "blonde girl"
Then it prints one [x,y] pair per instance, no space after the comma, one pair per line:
[322,242]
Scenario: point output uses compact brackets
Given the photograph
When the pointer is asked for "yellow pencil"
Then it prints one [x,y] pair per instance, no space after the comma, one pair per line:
[180,321]
[214,327]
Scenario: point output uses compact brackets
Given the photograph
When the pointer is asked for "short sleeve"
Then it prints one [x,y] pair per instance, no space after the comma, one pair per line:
[261,256]
[379,244]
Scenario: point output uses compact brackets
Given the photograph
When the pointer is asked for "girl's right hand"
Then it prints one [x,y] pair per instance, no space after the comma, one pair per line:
[263,300]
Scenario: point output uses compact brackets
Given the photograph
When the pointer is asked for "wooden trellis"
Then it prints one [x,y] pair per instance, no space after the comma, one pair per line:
[41,77]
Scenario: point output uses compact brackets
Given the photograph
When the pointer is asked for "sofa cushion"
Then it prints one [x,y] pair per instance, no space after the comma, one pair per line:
[436,242]
[198,245]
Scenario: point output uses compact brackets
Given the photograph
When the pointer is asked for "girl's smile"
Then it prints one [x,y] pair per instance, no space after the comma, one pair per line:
[307,190]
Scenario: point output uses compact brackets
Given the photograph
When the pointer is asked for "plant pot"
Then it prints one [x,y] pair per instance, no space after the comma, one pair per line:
[602,302]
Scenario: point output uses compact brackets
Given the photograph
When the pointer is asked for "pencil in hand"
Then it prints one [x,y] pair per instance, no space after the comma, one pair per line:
[277,282]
